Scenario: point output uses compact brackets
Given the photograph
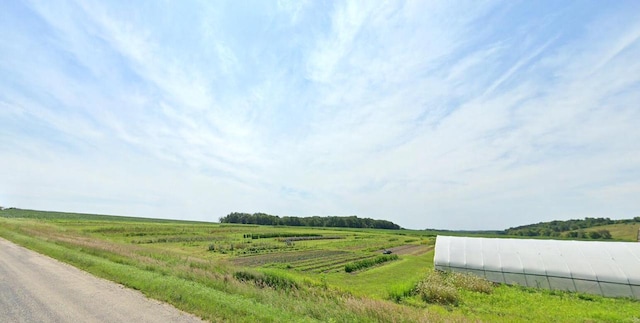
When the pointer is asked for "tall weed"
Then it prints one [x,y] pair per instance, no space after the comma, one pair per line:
[469,282]
[436,289]
[268,279]
[442,287]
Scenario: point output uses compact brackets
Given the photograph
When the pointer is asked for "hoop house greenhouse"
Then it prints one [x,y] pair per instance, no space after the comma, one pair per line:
[596,267]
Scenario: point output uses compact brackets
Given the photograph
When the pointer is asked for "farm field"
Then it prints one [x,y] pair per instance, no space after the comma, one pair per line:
[233,272]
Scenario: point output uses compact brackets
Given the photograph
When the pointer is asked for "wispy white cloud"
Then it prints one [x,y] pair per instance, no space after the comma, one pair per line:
[430,114]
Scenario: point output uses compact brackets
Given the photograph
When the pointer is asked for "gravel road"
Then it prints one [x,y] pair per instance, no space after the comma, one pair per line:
[36,288]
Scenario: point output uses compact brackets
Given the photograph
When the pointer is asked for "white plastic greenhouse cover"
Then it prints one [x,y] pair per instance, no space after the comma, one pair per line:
[596,267]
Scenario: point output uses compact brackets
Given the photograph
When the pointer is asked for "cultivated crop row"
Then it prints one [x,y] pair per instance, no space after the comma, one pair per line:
[291,239]
[285,257]
[366,263]
[265,235]
[332,264]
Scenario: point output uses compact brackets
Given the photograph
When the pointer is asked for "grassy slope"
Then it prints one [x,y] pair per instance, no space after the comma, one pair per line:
[621,231]
[185,274]
[379,281]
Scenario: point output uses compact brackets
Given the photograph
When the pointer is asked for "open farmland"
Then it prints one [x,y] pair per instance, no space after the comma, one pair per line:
[224,272]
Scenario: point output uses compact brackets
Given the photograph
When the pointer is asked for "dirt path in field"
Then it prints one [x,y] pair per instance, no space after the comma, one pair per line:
[411,249]
[36,288]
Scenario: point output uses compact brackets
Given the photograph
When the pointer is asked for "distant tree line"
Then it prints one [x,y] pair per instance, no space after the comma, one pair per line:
[569,228]
[313,221]
[600,234]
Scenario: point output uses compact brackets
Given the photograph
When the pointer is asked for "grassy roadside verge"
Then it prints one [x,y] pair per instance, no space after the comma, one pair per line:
[186,295]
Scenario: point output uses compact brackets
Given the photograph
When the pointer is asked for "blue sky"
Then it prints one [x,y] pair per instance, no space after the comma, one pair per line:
[431,114]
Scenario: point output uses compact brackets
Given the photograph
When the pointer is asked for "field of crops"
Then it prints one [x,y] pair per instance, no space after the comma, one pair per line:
[317,261]
[268,247]
[269,273]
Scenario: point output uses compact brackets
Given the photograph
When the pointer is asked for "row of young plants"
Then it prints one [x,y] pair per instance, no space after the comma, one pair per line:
[330,264]
[246,248]
[290,257]
[304,238]
[370,262]
[173,239]
[266,235]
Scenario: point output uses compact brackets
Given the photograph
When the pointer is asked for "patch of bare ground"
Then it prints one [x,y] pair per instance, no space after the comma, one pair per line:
[410,249]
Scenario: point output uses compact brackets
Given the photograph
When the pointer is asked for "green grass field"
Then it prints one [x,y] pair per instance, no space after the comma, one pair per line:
[264,273]
[620,231]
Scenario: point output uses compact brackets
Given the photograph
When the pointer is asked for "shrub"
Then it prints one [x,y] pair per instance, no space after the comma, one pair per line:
[605,234]
[594,235]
